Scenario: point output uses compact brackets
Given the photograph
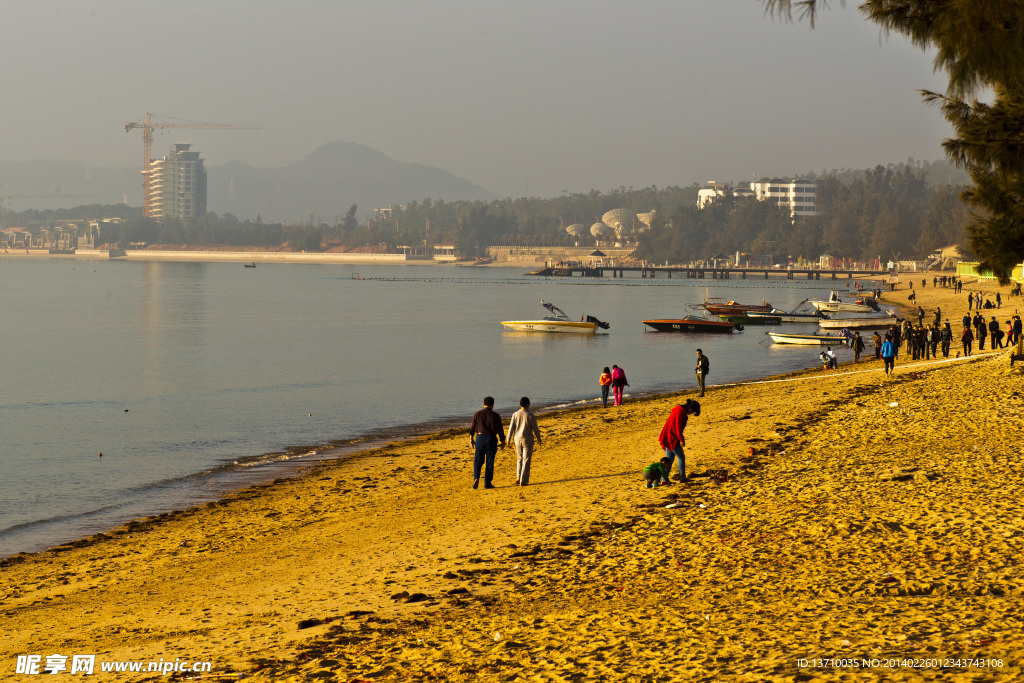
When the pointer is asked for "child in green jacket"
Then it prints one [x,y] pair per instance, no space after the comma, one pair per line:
[657,472]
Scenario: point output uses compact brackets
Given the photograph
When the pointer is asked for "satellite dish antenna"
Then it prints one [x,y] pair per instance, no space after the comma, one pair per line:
[576,229]
[647,218]
[598,229]
[619,220]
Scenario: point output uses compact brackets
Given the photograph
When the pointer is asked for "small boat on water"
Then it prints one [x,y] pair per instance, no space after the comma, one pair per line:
[776,316]
[557,322]
[693,322]
[723,308]
[250,265]
[835,304]
[876,322]
[807,339]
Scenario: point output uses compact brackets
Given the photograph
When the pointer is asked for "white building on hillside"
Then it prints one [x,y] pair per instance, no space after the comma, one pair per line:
[797,195]
[714,190]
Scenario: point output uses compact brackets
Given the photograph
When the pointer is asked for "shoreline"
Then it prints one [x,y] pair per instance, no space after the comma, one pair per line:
[229,581]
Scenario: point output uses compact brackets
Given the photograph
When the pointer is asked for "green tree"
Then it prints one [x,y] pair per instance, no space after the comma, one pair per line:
[980,46]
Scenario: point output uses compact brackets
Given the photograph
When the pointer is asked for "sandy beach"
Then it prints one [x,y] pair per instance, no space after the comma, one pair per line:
[838,526]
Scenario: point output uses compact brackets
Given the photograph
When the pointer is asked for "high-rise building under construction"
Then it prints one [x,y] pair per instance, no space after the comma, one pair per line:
[178,185]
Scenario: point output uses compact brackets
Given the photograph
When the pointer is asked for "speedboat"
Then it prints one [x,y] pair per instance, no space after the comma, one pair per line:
[776,315]
[557,322]
[835,304]
[693,322]
[732,309]
[807,339]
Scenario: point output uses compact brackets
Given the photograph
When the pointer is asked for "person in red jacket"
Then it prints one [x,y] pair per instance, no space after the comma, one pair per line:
[671,437]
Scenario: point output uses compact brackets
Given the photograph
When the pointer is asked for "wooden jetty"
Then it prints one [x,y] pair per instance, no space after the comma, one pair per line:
[702,273]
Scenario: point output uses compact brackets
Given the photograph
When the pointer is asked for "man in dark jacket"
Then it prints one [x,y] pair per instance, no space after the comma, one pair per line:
[484,433]
[703,365]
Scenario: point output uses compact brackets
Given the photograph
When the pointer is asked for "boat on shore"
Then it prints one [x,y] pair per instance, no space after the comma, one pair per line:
[876,322]
[835,304]
[807,339]
[558,322]
[694,321]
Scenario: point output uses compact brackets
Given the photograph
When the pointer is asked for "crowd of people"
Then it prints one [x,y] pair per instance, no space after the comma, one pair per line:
[920,342]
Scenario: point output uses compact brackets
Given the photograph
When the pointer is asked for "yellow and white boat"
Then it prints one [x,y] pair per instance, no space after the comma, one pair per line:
[557,322]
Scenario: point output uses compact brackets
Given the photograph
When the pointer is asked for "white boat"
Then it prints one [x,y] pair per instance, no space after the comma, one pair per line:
[859,323]
[794,316]
[834,304]
[807,339]
[557,322]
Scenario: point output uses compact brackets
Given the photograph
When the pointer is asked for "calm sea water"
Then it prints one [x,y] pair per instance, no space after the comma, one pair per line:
[192,378]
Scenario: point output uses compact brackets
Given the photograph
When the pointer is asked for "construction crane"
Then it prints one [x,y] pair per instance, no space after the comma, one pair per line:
[147,125]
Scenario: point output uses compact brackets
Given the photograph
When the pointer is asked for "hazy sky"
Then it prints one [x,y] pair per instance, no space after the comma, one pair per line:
[520,97]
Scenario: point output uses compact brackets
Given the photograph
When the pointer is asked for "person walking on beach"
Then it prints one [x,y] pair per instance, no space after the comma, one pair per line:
[703,365]
[1016,328]
[934,337]
[606,385]
[966,338]
[484,432]
[878,345]
[888,355]
[981,334]
[858,347]
[619,383]
[920,316]
[946,337]
[671,436]
[938,316]
[521,430]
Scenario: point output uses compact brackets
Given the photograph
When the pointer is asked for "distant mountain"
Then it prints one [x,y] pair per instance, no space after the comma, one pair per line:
[326,183]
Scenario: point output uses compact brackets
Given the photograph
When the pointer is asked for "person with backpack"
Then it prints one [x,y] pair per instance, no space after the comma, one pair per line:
[618,383]
[703,365]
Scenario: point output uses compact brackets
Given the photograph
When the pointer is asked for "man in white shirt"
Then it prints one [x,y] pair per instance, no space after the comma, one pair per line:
[521,431]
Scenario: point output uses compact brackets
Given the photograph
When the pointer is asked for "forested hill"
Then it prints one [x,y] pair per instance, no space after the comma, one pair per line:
[899,211]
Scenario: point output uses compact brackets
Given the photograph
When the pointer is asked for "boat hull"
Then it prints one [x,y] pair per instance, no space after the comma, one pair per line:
[753,318]
[550,326]
[687,325]
[806,339]
[786,317]
[840,307]
[857,323]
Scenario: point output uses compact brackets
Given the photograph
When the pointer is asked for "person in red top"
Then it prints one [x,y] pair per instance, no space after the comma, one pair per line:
[671,437]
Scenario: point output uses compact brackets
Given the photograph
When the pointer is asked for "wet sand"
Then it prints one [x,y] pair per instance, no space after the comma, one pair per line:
[878,520]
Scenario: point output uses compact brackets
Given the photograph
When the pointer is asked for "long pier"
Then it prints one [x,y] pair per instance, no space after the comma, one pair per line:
[702,273]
